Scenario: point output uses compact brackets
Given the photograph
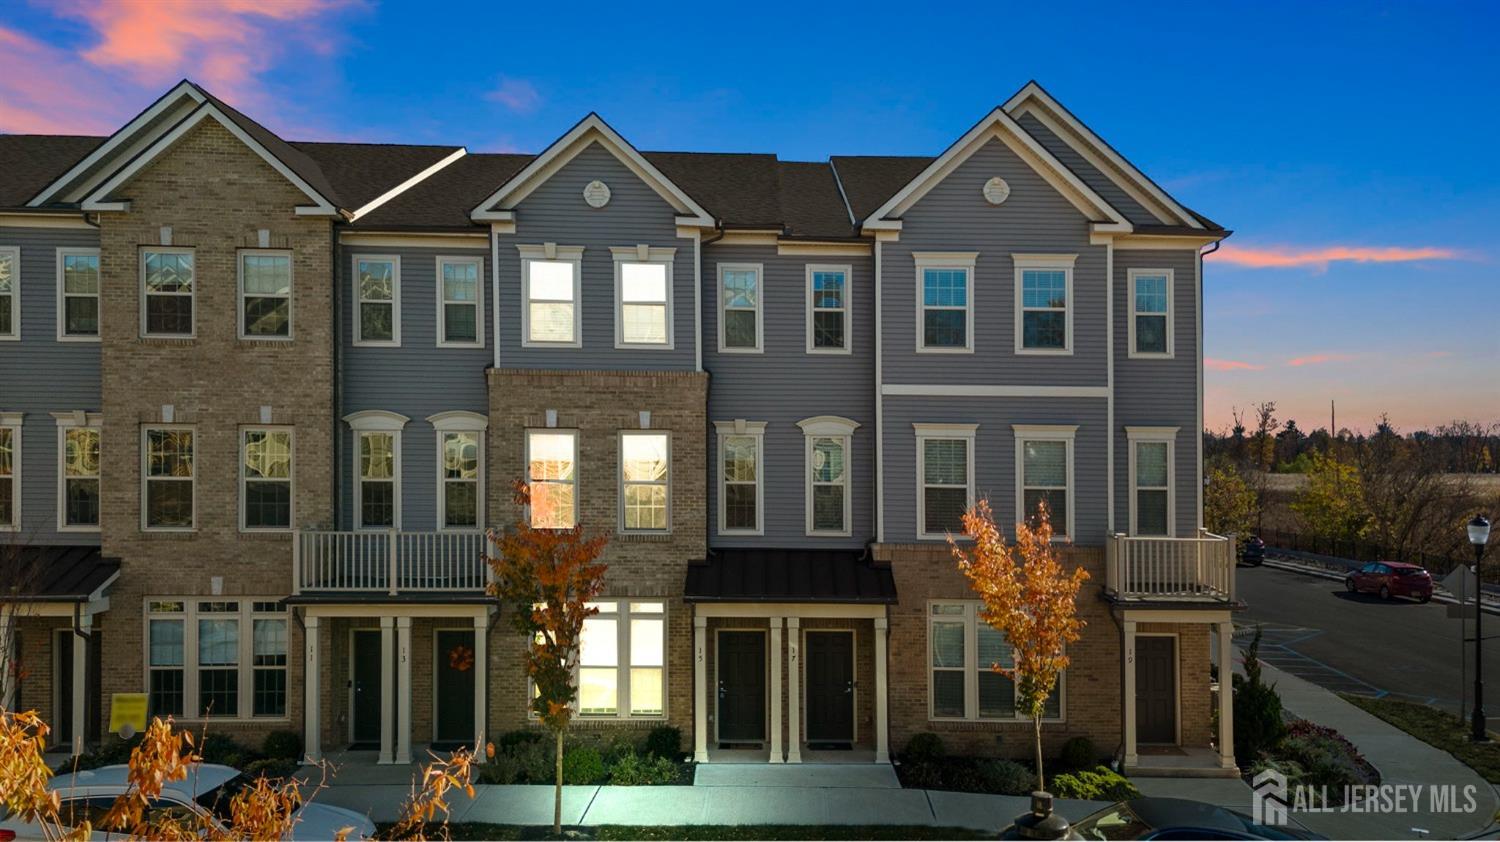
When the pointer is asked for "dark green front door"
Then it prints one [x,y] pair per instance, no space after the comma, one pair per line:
[742,686]
[62,716]
[1156,689]
[830,686]
[455,689]
[364,686]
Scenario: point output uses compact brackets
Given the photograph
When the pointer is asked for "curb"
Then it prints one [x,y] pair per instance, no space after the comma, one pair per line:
[1490,605]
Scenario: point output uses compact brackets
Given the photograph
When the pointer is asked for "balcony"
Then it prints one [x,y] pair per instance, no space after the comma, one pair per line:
[1197,569]
[391,562]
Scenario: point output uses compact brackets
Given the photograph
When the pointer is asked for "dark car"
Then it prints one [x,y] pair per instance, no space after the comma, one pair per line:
[1391,578]
[1177,818]
[1254,551]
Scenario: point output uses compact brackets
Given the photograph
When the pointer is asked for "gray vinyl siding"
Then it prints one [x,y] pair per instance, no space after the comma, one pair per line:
[635,214]
[1088,173]
[954,217]
[995,456]
[417,379]
[1159,392]
[39,376]
[785,384]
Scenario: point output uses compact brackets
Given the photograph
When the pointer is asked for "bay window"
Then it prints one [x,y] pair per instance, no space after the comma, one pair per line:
[963,651]
[645,475]
[552,474]
[1044,314]
[1044,474]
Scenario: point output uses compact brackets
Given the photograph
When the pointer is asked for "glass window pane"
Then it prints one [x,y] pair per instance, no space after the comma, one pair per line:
[646,691]
[268,505]
[644,457]
[1046,463]
[270,643]
[218,643]
[944,329]
[460,282]
[643,282]
[1151,512]
[376,322]
[81,504]
[219,692]
[377,455]
[553,506]
[81,274]
[377,280]
[947,693]
[551,280]
[645,507]
[945,287]
[599,643]
[739,329]
[1151,464]
[169,314]
[7,273]
[377,503]
[166,643]
[551,322]
[598,690]
[1044,288]
[947,644]
[270,692]
[460,323]
[551,455]
[1151,294]
[169,504]
[647,642]
[828,329]
[828,289]
[739,507]
[268,454]
[828,460]
[461,455]
[1057,507]
[945,461]
[166,695]
[646,323]
[741,288]
[460,504]
[997,695]
[80,457]
[82,315]
[828,508]
[944,512]
[1151,334]
[267,274]
[1048,329]
[739,458]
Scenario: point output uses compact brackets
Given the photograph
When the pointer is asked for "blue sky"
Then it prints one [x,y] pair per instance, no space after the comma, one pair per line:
[1318,132]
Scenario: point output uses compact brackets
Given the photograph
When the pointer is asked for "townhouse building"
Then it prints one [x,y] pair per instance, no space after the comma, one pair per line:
[260,399]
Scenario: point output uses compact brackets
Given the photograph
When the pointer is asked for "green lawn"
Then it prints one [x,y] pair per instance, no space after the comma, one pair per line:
[1437,728]
[480,830]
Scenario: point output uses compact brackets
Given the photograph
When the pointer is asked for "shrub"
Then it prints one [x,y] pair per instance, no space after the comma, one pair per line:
[111,753]
[511,739]
[617,745]
[1101,784]
[1007,777]
[923,774]
[963,776]
[502,769]
[925,746]
[282,745]
[533,761]
[222,748]
[271,767]
[1078,753]
[650,770]
[1259,723]
[583,765]
[665,741]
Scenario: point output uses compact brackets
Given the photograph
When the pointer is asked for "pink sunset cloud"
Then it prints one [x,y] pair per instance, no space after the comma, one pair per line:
[1318,359]
[1279,257]
[518,95]
[1230,365]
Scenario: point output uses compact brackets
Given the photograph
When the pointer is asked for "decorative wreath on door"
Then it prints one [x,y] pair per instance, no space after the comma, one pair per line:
[461,658]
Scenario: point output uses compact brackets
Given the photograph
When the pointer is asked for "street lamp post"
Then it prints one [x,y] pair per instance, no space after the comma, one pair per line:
[1479,535]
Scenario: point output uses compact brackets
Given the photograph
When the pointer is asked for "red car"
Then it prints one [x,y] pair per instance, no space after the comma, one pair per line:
[1391,578]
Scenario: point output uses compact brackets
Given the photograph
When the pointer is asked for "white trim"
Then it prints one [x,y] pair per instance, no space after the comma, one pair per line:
[576,481]
[841,430]
[1130,349]
[239,316]
[623,615]
[990,390]
[358,301]
[12,421]
[810,300]
[940,432]
[1154,435]
[697,300]
[493,241]
[1151,205]
[14,334]
[62,219]
[1198,356]
[442,300]
[1156,242]
[760,306]
[407,184]
[966,261]
[666,483]
[644,254]
[413,239]
[879,405]
[1045,432]
[1046,263]
[804,248]
[291,478]
[146,478]
[245,616]
[756,430]
[971,622]
[67,422]
[64,252]
[454,423]
[192,294]
[1109,380]
[377,421]
[551,253]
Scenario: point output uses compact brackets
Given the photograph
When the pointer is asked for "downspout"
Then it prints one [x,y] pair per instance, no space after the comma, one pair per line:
[338,382]
[1119,754]
[1199,435]
[83,652]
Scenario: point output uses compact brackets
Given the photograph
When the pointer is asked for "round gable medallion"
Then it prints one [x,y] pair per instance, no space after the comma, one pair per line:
[596,194]
[996,190]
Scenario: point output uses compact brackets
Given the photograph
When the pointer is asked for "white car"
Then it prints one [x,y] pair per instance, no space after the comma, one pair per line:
[206,791]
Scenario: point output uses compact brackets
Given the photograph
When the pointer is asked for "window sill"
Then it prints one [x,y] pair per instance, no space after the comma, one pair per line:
[953,724]
[922,350]
[1135,355]
[75,530]
[462,346]
[1045,352]
[266,534]
[644,537]
[834,352]
[265,341]
[170,534]
[741,351]
[644,346]
[167,341]
[84,338]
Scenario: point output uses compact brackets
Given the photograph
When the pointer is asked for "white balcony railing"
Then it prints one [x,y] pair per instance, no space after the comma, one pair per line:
[389,561]
[1197,569]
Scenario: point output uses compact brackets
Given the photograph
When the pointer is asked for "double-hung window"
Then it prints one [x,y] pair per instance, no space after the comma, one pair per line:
[740,310]
[460,461]
[643,297]
[377,468]
[741,462]
[167,285]
[460,293]
[10,293]
[1152,502]
[645,476]
[827,442]
[265,294]
[377,300]
[550,284]
[77,295]
[828,320]
[1044,314]
[10,471]
[266,478]
[219,658]
[963,651]
[945,478]
[552,474]
[78,491]
[622,661]
[169,476]
[1044,474]
[945,299]
[1151,313]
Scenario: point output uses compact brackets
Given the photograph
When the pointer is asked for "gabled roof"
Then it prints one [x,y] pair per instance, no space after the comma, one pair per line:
[738,188]
[870,180]
[31,161]
[444,200]
[812,207]
[367,175]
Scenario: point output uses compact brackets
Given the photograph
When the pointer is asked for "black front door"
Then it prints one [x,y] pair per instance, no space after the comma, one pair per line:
[1156,689]
[364,686]
[455,689]
[742,686]
[62,715]
[830,686]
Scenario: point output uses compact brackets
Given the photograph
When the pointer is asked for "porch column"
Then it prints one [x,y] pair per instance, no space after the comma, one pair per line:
[403,689]
[776,755]
[1226,694]
[9,658]
[700,689]
[481,683]
[387,686]
[80,679]
[311,698]
[882,737]
[794,689]
[1129,693]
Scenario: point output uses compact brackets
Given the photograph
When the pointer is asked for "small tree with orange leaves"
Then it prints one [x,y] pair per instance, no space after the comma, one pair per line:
[547,578]
[1030,598]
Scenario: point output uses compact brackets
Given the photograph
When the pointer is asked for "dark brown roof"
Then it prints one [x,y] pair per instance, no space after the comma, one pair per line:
[295,159]
[811,205]
[360,172]
[29,162]
[869,180]
[56,574]
[738,188]
[444,200]
[793,575]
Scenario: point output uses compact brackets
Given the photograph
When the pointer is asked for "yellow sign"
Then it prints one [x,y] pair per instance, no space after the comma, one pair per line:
[127,709]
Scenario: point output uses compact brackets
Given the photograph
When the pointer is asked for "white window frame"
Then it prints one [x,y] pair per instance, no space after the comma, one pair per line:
[246,615]
[1065,433]
[828,427]
[1161,435]
[551,253]
[63,295]
[459,421]
[643,254]
[12,421]
[146,478]
[1048,263]
[576,482]
[67,422]
[622,614]
[971,622]
[192,296]
[760,306]
[966,260]
[1131,351]
[924,432]
[741,427]
[290,481]
[376,421]
[14,334]
[358,301]
[443,301]
[666,483]
[239,315]
[848,309]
